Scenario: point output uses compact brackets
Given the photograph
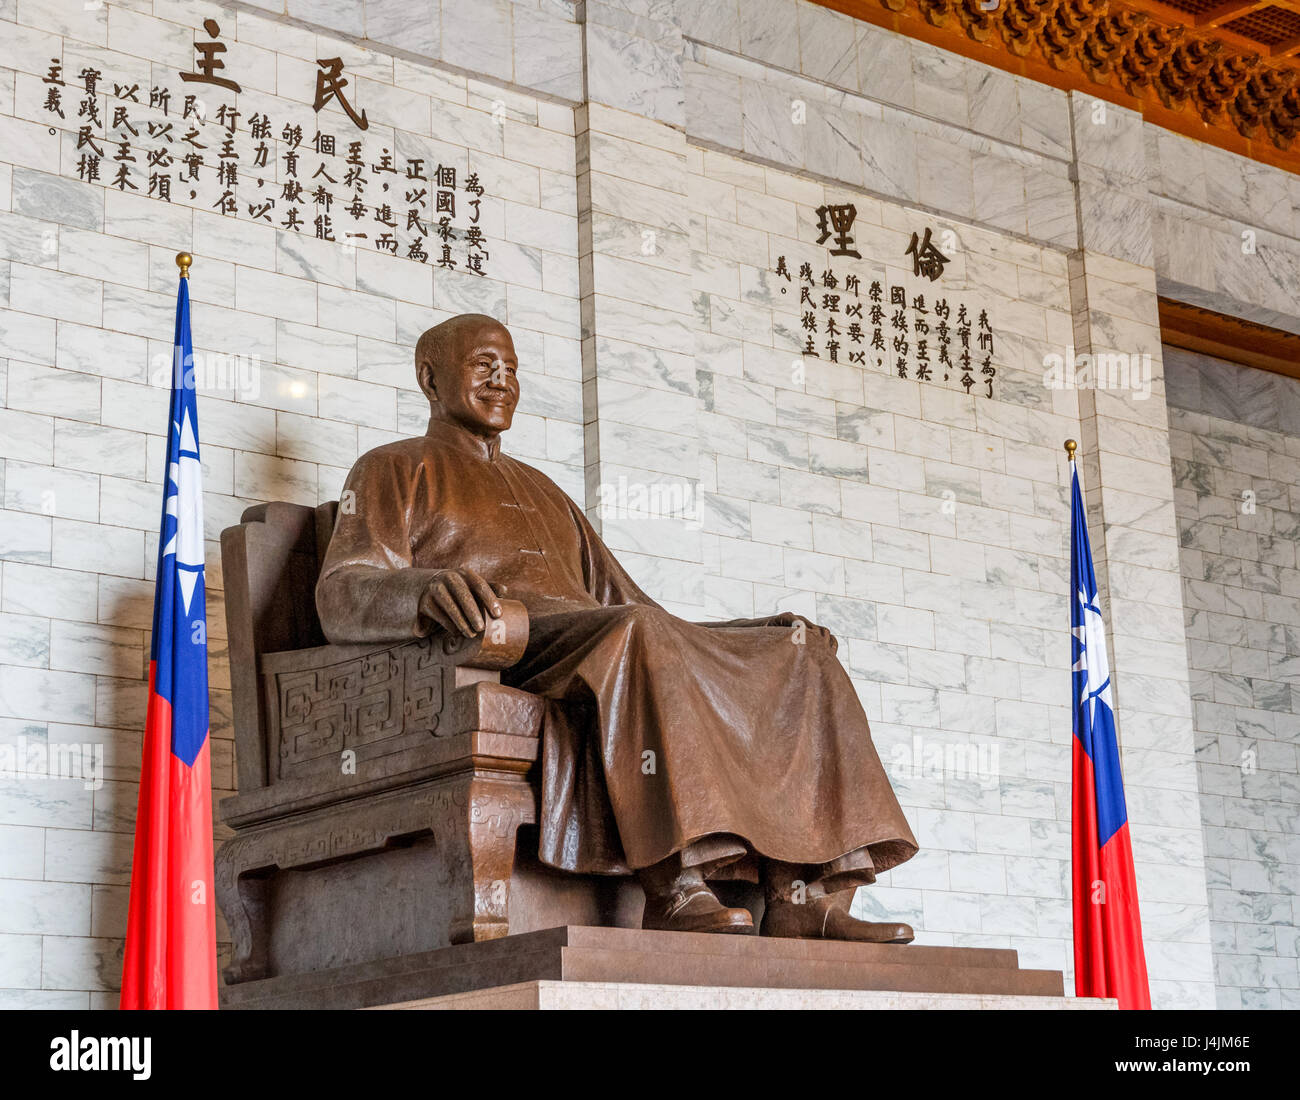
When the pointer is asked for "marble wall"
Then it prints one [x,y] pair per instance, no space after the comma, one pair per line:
[645,166]
[1235,436]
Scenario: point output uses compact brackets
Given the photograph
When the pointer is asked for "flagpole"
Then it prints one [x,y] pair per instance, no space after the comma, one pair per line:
[183,261]
[1070,447]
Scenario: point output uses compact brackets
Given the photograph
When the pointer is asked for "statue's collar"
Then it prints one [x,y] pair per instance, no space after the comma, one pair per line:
[452,434]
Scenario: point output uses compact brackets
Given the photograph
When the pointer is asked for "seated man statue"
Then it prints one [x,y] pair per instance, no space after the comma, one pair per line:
[676,750]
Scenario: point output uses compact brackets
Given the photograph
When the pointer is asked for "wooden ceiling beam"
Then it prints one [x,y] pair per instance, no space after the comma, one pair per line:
[1285,47]
[1230,338]
[1171,16]
[1231,9]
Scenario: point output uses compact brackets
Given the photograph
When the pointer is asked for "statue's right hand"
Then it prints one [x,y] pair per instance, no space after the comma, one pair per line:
[458,600]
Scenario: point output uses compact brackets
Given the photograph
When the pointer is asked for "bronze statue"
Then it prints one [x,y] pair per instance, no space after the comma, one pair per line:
[676,750]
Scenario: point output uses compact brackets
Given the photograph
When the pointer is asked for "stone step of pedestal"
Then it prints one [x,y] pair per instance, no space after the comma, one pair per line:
[787,972]
[623,956]
[552,996]
[768,947]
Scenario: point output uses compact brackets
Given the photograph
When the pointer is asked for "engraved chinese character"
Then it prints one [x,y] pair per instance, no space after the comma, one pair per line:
[927,260]
[837,221]
[330,83]
[208,63]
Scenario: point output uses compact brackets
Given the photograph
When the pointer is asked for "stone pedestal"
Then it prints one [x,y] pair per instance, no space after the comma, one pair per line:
[621,995]
[581,967]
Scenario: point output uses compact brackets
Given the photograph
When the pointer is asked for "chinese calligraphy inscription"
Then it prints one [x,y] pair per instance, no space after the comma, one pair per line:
[239,163]
[862,318]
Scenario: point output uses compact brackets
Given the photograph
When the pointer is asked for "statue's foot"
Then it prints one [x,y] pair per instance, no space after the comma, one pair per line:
[821,919]
[693,908]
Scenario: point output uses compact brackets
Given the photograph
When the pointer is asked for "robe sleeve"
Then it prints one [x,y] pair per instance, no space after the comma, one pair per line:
[368,590]
[605,579]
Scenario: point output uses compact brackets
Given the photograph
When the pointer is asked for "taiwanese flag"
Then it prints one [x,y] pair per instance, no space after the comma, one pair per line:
[1108,957]
[171,959]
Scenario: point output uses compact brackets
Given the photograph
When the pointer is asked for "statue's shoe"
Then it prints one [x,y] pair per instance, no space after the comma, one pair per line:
[694,909]
[821,919]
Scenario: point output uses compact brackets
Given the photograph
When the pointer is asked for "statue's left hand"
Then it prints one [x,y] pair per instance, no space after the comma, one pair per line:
[458,601]
[789,618]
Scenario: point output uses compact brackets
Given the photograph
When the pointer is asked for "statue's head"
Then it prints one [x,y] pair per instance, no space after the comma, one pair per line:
[466,368]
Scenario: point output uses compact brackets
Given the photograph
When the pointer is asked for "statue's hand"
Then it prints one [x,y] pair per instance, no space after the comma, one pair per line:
[458,601]
[789,618]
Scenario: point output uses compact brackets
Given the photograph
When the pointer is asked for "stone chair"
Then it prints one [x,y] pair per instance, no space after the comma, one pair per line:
[385,804]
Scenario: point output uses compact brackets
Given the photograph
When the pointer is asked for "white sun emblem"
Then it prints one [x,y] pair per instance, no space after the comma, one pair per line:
[185,502]
[1092,656]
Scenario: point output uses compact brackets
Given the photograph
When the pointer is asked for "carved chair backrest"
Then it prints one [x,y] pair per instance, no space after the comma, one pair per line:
[270,563]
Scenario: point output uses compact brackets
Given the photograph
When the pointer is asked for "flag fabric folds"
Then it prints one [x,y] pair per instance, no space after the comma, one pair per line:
[170,959]
[1109,960]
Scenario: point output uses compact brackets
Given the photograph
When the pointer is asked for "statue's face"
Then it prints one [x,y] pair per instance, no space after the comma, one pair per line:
[480,390]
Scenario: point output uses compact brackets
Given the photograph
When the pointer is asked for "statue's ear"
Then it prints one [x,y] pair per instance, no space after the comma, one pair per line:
[428,380]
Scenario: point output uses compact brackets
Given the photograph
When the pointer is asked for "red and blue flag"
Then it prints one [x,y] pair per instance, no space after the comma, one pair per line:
[1109,960]
[170,959]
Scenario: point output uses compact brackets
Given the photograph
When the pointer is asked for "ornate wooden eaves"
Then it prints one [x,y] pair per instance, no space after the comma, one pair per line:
[1223,71]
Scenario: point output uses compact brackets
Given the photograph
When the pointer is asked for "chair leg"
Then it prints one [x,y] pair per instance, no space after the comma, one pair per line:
[477,817]
[243,900]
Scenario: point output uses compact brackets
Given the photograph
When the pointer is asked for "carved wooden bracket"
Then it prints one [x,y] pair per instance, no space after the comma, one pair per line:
[1222,72]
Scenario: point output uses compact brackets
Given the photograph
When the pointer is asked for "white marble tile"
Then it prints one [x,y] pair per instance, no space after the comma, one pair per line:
[939,82]
[885,65]
[548,53]
[40,291]
[769,126]
[768,32]
[890,155]
[1044,119]
[833,144]
[827,46]
[58,696]
[58,199]
[35,388]
[477,36]
[414,26]
[100,548]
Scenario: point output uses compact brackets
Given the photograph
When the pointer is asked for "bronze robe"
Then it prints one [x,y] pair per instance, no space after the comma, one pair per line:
[761,747]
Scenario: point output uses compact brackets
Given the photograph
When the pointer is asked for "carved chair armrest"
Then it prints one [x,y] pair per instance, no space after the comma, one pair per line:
[499,645]
[383,700]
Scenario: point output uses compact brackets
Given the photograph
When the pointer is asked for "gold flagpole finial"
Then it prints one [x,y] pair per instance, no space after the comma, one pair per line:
[1070,447]
[183,261]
